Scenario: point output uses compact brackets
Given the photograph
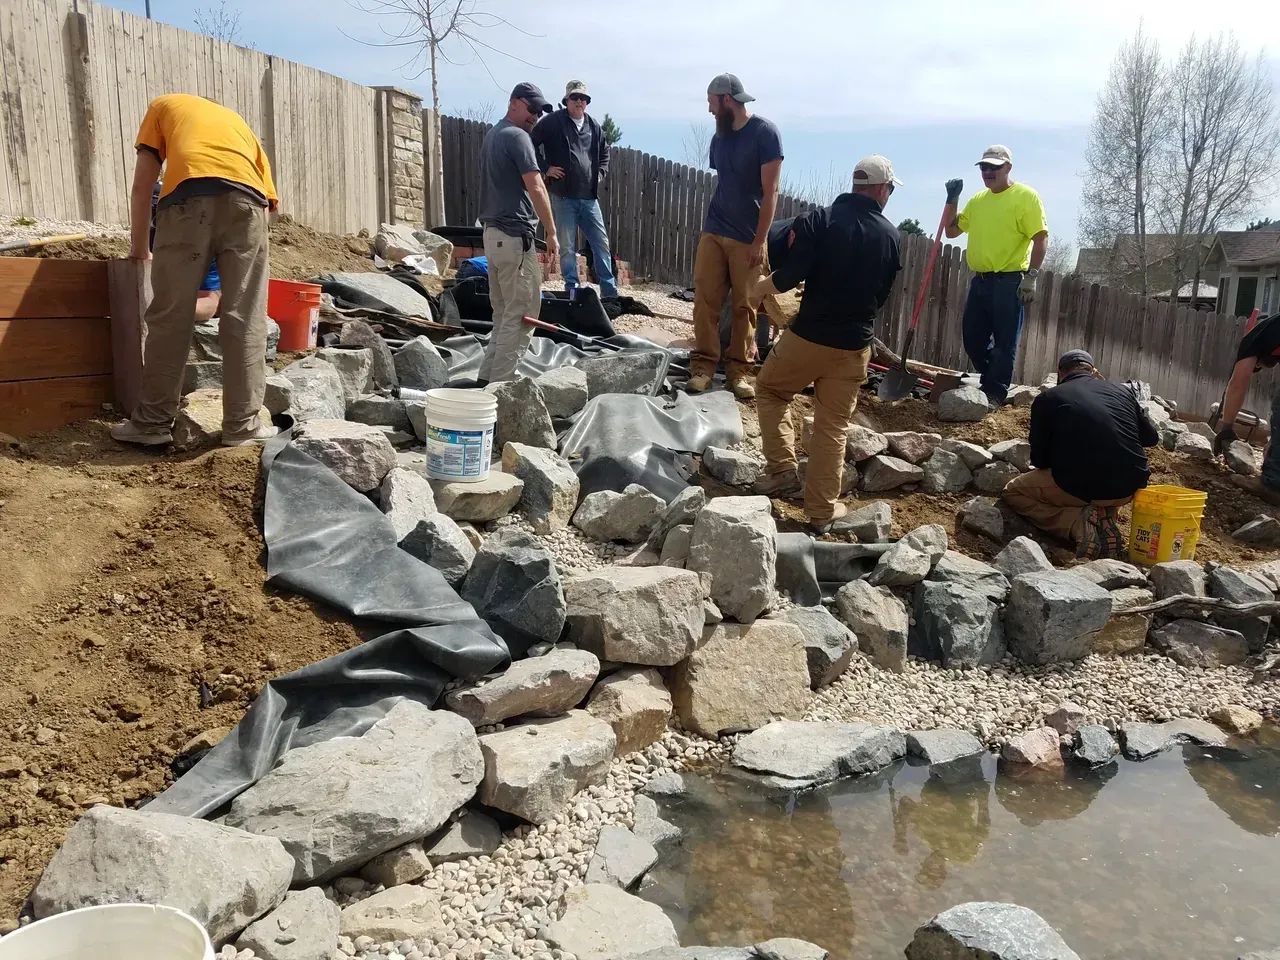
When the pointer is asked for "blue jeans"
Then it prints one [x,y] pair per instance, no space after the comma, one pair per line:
[571,216]
[992,325]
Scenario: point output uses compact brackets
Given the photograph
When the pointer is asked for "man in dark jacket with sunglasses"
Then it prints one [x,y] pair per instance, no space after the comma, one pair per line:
[574,156]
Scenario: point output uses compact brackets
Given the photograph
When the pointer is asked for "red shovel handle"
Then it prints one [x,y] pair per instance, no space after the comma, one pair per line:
[928,272]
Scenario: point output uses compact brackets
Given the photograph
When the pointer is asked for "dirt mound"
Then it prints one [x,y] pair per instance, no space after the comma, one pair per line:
[132,580]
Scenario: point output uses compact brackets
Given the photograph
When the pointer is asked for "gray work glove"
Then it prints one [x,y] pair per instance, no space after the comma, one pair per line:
[1027,288]
[953,190]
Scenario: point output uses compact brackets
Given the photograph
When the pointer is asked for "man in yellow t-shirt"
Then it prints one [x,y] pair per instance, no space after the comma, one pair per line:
[212,209]
[1008,237]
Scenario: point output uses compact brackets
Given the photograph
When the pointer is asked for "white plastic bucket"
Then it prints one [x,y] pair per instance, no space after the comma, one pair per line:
[122,931]
[460,434]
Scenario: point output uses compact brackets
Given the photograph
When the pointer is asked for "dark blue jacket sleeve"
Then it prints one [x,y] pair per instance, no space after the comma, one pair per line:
[799,260]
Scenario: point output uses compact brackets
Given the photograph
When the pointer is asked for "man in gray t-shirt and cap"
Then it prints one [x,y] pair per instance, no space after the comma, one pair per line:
[511,190]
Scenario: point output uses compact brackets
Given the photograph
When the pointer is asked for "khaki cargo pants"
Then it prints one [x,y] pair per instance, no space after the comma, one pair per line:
[1035,496]
[836,375]
[230,228]
[722,268]
[515,291]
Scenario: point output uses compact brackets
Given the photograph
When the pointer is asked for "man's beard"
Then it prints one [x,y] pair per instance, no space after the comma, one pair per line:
[724,122]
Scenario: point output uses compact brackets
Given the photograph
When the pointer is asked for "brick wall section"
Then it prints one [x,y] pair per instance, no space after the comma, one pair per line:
[404,151]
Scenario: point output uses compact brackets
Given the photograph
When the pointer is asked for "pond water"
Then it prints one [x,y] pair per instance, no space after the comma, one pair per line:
[1177,856]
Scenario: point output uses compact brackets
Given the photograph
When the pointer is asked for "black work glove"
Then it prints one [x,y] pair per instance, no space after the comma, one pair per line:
[953,190]
[1224,437]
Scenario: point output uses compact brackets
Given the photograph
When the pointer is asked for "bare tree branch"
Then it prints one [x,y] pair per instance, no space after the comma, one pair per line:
[695,146]
[218,22]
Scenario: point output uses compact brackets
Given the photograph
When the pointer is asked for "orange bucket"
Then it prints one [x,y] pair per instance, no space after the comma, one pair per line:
[296,308]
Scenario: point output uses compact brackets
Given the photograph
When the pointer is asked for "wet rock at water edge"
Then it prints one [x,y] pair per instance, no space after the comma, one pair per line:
[954,756]
[1067,717]
[1143,740]
[1037,748]
[1236,720]
[603,922]
[988,931]
[621,858]
[798,755]
[648,823]
[1094,745]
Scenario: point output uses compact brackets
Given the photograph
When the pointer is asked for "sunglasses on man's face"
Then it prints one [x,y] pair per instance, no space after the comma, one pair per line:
[579,98]
[990,167]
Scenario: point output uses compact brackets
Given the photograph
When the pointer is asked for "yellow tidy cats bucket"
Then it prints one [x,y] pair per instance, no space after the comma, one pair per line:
[1165,524]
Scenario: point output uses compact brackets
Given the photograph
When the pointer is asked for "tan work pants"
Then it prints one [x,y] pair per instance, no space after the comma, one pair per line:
[1035,496]
[230,228]
[836,375]
[722,267]
[515,291]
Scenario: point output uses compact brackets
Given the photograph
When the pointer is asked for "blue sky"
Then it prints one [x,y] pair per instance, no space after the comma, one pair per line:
[924,82]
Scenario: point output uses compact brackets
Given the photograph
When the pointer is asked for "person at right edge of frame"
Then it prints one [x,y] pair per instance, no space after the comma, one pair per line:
[746,154]
[511,190]
[1259,349]
[212,211]
[1008,237]
[847,255]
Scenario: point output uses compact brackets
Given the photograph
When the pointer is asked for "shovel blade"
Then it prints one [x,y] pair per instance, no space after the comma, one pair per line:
[898,382]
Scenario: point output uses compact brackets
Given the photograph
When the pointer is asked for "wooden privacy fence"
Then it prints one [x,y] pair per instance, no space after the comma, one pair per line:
[1186,355]
[653,208]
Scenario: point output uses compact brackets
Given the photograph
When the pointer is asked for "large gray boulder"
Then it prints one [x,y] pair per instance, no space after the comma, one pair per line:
[994,476]
[958,568]
[864,443]
[829,645]
[973,455]
[419,365]
[381,290]
[564,391]
[1239,457]
[1094,745]
[1262,531]
[945,472]
[645,615]
[361,455]
[1235,586]
[741,677]
[910,559]
[279,393]
[733,540]
[550,485]
[731,466]
[357,333]
[958,624]
[481,501]
[649,826]
[1194,643]
[988,931]
[405,497]
[882,472]
[794,755]
[878,619]
[224,878]
[1111,574]
[1053,617]
[545,686]
[1016,452]
[1141,741]
[628,516]
[1177,578]
[522,415]
[354,366]
[683,509]
[965,404]
[621,858]
[439,542]
[514,585]
[603,922]
[869,524]
[304,927]
[912,446]
[339,803]
[635,702]
[623,372]
[379,411]
[1194,446]
[954,756]
[1022,555]
[317,390]
[533,769]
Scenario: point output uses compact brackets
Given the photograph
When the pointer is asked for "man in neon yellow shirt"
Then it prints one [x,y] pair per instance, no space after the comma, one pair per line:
[1008,237]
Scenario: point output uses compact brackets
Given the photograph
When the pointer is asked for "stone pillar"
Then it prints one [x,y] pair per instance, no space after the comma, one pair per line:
[402,174]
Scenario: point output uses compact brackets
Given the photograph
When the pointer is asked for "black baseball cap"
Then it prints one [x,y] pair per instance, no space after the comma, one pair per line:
[531,95]
[1073,358]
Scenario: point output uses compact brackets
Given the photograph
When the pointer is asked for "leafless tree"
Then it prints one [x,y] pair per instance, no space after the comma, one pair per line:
[695,145]
[218,22]
[814,187]
[435,30]
[1060,258]
[1129,131]
[486,111]
[1221,161]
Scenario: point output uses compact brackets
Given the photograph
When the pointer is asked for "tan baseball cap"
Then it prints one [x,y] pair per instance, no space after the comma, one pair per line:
[873,170]
[997,154]
[575,86]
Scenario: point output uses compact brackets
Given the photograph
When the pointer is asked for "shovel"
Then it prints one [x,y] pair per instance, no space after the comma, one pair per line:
[899,381]
[42,241]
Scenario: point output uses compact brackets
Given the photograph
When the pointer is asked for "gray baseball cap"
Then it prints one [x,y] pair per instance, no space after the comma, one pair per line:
[1073,358]
[727,85]
[531,95]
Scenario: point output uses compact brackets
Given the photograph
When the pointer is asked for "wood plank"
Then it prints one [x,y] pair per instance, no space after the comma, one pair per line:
[670,193]
[60,347]
[52,288]
[29,406]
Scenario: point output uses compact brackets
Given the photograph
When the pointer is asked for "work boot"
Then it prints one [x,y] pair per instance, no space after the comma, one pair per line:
[743,389]
[264,433]
[697,384]
[821,528]
[783,484]
[1255,486]
[128,433]
[1100,538]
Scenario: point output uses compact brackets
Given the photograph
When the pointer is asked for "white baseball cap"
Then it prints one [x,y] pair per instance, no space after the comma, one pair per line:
[873,170]
[997,154]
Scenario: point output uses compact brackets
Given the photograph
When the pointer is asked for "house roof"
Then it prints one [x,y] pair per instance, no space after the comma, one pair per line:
[1244,247]
[1093,262]
[1207,291]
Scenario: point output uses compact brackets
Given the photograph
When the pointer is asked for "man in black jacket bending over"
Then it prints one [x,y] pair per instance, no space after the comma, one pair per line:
[847,254]
[1087,440]
[574,155]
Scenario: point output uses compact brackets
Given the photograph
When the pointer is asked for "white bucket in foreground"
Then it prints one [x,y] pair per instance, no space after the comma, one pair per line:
[460,434]
[122,931]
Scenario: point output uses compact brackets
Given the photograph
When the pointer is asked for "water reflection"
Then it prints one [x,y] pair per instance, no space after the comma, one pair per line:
[1176,857]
